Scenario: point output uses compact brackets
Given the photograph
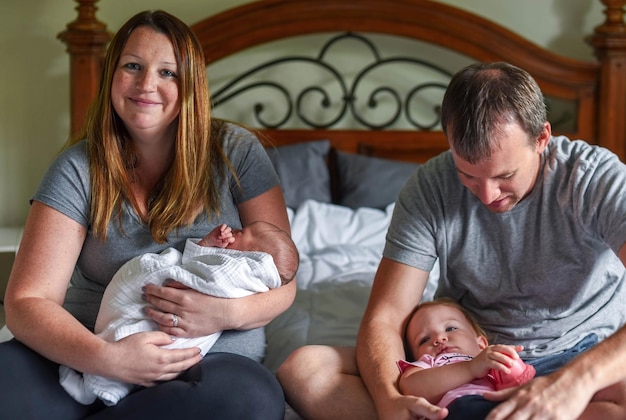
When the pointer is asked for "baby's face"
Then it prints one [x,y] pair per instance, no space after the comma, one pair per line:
[442,329]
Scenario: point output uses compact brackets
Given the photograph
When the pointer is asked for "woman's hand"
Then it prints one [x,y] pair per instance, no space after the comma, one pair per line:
[140,358]
[196,314]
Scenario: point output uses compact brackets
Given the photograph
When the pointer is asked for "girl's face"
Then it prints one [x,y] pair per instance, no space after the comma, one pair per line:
[145,85]
[440,329]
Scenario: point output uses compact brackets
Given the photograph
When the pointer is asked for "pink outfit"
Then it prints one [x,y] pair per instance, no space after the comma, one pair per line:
[476,387]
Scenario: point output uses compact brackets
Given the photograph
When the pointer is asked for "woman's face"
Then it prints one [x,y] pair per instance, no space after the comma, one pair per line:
[145,85]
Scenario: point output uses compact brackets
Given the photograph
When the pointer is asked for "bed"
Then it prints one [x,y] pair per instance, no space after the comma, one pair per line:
[344,142]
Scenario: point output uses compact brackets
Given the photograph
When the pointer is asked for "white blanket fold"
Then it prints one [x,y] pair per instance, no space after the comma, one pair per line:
[217,272]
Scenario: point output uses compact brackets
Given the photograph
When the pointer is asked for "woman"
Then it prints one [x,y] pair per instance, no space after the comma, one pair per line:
[154,170]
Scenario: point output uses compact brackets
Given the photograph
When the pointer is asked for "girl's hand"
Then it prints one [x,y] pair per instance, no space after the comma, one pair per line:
[498,357]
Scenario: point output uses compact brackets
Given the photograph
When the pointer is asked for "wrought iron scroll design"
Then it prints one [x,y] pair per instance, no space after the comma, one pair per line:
[345,104]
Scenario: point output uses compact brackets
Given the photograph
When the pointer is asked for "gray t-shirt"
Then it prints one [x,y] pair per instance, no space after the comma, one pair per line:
[542,275]
[66,188]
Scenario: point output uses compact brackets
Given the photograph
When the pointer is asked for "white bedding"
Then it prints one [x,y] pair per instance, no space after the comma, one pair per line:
[340,249]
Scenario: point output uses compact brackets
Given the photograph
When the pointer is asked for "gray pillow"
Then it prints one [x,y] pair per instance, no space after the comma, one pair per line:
[366,181]
[303,171]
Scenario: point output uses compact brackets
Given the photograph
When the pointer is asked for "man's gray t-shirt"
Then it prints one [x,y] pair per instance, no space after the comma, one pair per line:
[66,188]
[542,275]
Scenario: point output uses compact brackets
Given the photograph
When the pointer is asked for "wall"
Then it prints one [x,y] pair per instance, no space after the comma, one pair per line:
[34,100]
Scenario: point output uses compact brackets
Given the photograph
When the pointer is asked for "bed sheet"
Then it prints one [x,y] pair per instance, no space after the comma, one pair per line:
[340,249]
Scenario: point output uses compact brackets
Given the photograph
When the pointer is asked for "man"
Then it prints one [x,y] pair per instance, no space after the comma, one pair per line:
[529,230]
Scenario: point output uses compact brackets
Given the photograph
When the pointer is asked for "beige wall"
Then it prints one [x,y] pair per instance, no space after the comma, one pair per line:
[34,84]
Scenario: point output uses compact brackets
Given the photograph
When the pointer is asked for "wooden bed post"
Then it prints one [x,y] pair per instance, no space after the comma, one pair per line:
[86,39]
[609,42]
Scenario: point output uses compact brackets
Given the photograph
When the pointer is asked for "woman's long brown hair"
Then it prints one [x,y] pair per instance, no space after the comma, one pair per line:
[199,164]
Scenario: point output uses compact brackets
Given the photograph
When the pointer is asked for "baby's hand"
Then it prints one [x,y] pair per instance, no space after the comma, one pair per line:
[221,237]
[225,236]
[517,374]
[498,357]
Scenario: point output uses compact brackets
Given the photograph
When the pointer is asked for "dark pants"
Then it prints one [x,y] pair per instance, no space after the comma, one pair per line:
[222,386]
[475,407]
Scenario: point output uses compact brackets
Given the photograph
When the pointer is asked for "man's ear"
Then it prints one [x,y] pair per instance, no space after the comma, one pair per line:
[544,137]
[482,341]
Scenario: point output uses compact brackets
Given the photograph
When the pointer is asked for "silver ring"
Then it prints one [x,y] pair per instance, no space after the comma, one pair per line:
[174,320]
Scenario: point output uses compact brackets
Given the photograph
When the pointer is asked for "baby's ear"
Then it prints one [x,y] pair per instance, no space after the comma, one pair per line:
[482,341]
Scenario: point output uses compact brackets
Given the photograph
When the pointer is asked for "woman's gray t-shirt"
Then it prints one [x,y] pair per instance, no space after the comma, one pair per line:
[66,188]
[542,275]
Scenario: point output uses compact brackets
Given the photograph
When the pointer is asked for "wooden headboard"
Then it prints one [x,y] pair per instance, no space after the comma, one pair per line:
[597,87]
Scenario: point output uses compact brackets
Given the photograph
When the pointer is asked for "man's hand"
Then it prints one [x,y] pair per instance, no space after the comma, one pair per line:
[545,397]
[410,407]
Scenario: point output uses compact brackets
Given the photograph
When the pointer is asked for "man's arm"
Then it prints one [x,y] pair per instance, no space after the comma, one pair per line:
[396,291]
[595,377]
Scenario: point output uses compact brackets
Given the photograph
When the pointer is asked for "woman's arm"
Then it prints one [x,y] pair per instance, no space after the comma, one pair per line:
[258,310]
[269,207]
[199,314]
[41,273]
[40,276]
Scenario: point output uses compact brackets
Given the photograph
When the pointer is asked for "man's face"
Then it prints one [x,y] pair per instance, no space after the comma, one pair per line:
[509,175]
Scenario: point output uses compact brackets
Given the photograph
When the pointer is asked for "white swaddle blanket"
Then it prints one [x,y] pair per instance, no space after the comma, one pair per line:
[218,272]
